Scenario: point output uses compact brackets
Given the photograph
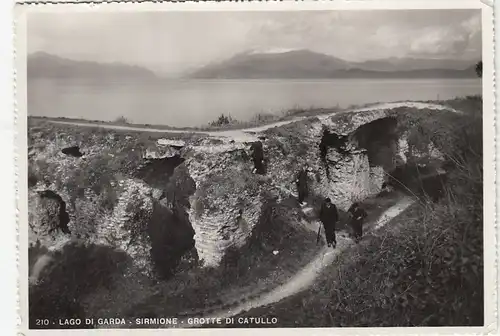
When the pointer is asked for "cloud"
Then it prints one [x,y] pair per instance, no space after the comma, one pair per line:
[175,41]
[459,40]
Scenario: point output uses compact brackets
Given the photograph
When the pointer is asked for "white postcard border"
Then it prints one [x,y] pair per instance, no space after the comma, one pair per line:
[490,241]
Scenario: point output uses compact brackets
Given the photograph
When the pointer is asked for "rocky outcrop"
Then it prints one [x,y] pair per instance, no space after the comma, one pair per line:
[104,200]
[126,186]
[48,219]
[226,205]
[127,227]
[160,152]
[349,157]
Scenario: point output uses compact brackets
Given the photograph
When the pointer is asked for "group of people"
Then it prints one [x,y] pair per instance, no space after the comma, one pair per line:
[329,215]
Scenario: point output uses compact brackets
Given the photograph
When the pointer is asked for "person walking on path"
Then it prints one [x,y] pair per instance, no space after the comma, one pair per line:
[357,216]
[329,217]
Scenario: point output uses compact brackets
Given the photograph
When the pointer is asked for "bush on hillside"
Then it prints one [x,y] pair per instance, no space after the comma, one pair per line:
[261,118]
[121,120]
[222,120]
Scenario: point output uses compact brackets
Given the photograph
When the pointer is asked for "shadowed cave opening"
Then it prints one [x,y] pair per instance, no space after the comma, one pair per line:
[332,140]
[172,236]
[72,151]
[421,181]
[379,139]
[170,231]
[157,172]
[63,216]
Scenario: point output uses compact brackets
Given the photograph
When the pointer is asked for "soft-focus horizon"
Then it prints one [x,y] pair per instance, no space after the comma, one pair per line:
[176,42]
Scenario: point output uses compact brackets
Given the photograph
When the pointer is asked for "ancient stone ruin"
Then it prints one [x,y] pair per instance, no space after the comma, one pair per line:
[209,193]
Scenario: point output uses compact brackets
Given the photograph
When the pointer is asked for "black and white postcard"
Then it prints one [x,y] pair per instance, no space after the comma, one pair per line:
[256,165]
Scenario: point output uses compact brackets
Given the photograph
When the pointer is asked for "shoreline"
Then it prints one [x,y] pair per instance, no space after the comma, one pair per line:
[256,128]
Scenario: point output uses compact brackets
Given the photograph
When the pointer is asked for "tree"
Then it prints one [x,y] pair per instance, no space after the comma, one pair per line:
[479,69]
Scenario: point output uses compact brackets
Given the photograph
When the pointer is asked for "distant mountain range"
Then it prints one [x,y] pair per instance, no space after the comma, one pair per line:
[43,65]
[308,64]
[292,64]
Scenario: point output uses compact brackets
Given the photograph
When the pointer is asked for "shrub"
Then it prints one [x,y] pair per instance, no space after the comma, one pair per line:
[121,120]
[263,118]
[223,120]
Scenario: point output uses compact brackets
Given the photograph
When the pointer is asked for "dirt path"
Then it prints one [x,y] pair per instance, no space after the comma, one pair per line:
[247,134]
[306,277]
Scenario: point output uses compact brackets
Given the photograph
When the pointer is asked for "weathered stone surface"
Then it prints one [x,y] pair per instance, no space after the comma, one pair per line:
[351,173]
[227,204]
[157,193]
[102,208]
[47,220]
[173,143]
[159,152]
[214,180]
[127,227]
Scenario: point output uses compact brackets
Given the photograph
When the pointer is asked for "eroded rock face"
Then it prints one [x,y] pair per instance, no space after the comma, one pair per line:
[226,205]
[340,167]
[48,219]
[211,183]
[160,152]
[348,158]
[127,227]
[104,203]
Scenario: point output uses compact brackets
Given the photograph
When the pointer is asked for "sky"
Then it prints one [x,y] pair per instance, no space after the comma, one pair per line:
[175,42]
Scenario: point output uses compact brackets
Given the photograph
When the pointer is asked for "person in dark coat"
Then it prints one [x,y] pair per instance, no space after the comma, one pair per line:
[258,157]
[329,217]
[357,216]
[301,183]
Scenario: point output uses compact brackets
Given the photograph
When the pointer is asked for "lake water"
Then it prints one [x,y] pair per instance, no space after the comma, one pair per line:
[194,103]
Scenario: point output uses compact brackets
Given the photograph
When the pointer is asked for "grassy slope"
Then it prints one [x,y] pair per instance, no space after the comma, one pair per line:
[426,267]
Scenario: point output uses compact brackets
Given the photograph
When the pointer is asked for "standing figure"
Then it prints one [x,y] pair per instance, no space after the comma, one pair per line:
[357,215]
[301,182]
[329,217]
[258,157]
